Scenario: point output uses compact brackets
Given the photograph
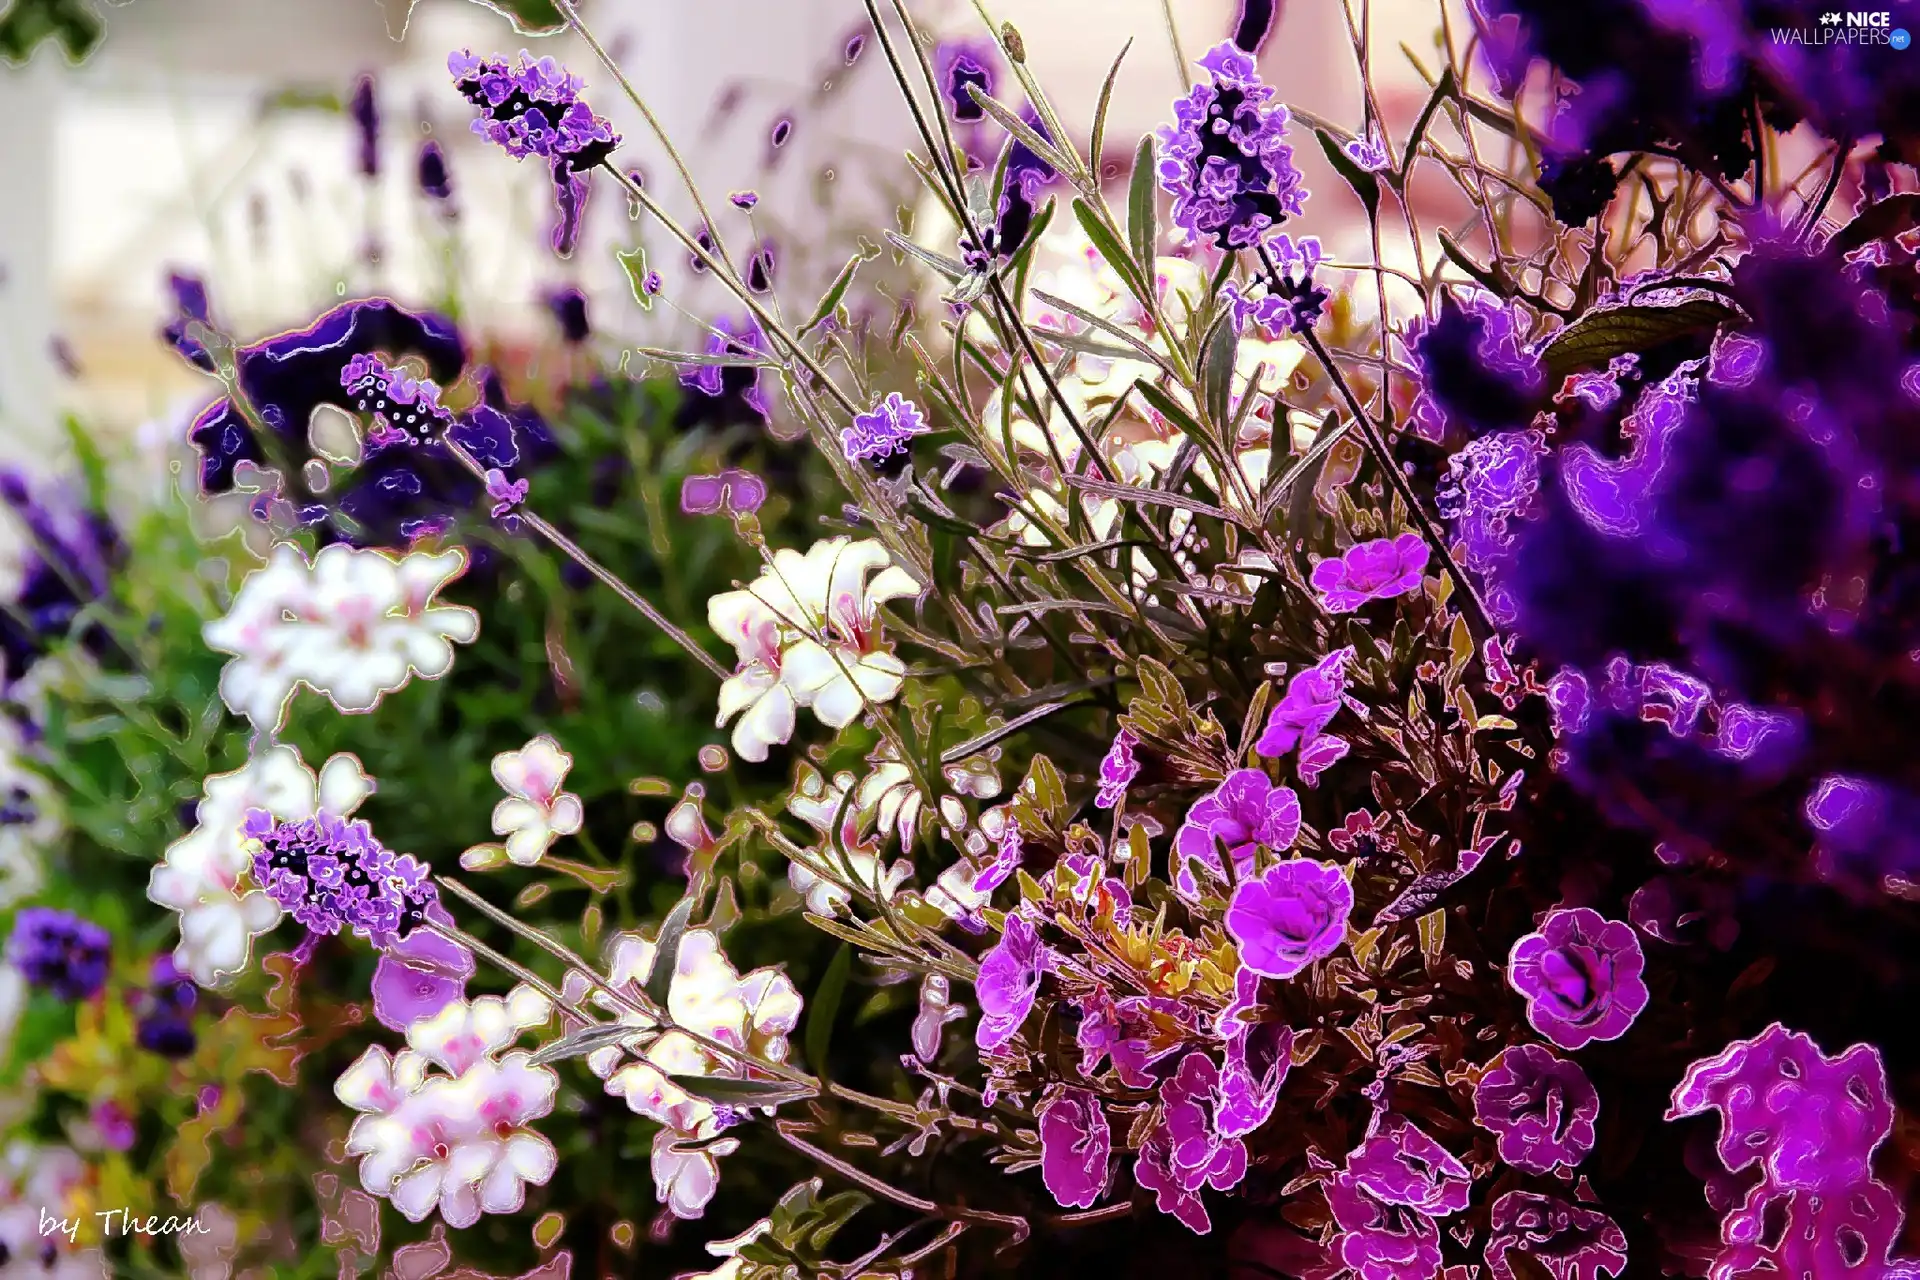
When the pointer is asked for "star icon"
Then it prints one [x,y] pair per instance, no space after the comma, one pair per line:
[1829,19]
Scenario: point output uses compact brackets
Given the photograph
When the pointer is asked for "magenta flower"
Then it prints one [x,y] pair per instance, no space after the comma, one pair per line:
[1807,1234]
[883,430]
[1006,860]
[1571,1242]
[1255,1066]
[1401,1164]
[730,491]
[1009,979]
[1290,917]
[1815,1121]
[1242,813]
[1074,1144]
[1376,570]
[1186,1151]
[404,993]
[1581,977]
[1320,755]
[1542,1109]
[1153,1170]
[1378,1240]
[1118,769]
[1312,700]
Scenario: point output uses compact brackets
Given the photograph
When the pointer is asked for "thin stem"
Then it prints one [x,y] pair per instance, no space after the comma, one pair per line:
[1173,38]
[888,1191]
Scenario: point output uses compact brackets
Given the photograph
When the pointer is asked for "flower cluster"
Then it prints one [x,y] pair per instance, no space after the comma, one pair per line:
[68,554]
[807,632]
[165,1010]
[460,1139]
[352,624]
[1225,158]
[721,1023]
[331,874]
[60,952]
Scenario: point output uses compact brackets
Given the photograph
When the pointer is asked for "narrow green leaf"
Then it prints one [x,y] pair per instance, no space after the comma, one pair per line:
[1081,343]
[1112,250]
[666,953]
[824,1007]
[837,290]
[946,266]
[634,262]
[1169,408]
[1100,111]
[1142,210]
[1594,339]
[1301,480]
[1141,349]
[1216,370]
[1023,131]
[1364,184]
[742,1093]
[1441,92]
[529,17]
[585,1040]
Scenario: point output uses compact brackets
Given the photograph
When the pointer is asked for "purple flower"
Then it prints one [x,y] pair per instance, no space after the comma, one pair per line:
[506,496]
[1290,917]
[1118,769]
[1860,823]
[1813,1122]
[431,172]
[1320,755]
[1381,1240]
[568,306]
[1843,1235]
[1368,153]
[66,562]
[1477,375]
[1225,158]
[738,340]
[405,992]
[1243,813]
[1074,1145]
[364,108]
[1312,700]
[190,305]
[1572,1243]
[403,410]
[1009,980]
[1402,1165]
[744,200]
[731,491]
[883,430]
[958,64]
[164,1011]
[59,952]
[331,875]
[1292,302]
[1252,1070]
[1006,860]
[1581,977]
[1199,1154]
[1376,570]
[1153,1169]
[1542,1109]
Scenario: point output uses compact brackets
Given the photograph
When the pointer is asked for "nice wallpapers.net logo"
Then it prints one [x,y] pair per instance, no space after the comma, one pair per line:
[1847,27]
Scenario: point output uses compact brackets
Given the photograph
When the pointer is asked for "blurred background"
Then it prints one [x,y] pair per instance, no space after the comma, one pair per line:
[214,137]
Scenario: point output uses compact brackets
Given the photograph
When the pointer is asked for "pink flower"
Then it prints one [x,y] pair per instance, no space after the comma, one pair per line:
[1581,977]
[1376,570]
[1075,1141]
[1290,917]
[1243,813]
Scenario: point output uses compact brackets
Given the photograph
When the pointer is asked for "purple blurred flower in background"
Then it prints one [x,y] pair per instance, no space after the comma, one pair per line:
[1571,1242]
[1477,374]
[1243,813]
[1008,982]
[1684,909]
[1290,917]
[1375,570]
[883,430]
[164,1011]
[1074,1144]
[568,307]
[733,383]
[1580,975]
[1225,158]
[431,172]
[57,951]
[1542,1109]
[364,110]
[732,491]
[188,294]
[66,562]
[959,63]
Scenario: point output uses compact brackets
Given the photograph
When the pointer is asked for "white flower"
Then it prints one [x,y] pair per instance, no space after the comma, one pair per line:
[379,1085]
[536,808]
[684,1179]
[807,635]
[209,1251]
[465,1032]
[818,804]
[936,1011]
[953,894]
[206,874]
[353,624]
[732,1267]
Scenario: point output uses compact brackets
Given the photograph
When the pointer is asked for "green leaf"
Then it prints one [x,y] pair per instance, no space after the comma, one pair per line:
[1594,339]
[25,23]
[585,1040]
[1100,111]
[838,289]
[1024,132]
[529,17]
[940,262]
[634,262]
[824,1007]
[1216,370]
[1441,92]
[1303,513]
[666,953]
[1112,250]
[1169,408]
[834,1213]
[1364,184]
[1143,233]
[743,1093]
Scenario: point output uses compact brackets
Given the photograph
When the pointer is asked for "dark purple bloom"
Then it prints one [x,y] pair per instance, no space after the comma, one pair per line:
[164,1011]
[1243,813]
[405,992]
[1008,982]
[760,265]
[1252,1070]
[1477,375]
[568,306]
[1381,1240]
[1074,1144]
[1312,700]
[333,875]
[1571,1242]
[1376,570]
[1118,769]
[507,497]
[744,200]
[1290,917]
[1292,302]
[435,182]
[67,561]
[57,951]
[957,64]
[1225,158]
[190,306]
[401,409]
[1812,1121]
[1368,153]
[1199,1154]
[733,384]
[1401,1164]
[1153,1169]
[364,108]
[883,430]
[1863,824]
[1846,1234]
[1764,741]
[1541,1108]
[1320,755]
[1581,977]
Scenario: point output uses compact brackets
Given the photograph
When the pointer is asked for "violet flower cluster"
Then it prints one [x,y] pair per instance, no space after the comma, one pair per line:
[332,875]
[58,951]
[68,555]
[1225,158]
